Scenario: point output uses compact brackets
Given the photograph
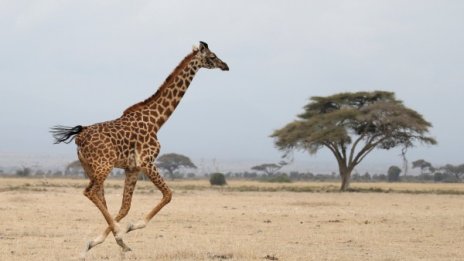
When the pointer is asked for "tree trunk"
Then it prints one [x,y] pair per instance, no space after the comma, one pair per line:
[345,182]
[171,174]
[345,174]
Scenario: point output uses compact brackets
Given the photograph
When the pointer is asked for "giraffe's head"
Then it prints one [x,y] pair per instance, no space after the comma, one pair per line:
[208,59]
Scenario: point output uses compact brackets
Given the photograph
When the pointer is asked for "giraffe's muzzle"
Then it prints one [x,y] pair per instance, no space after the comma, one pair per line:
[224,67]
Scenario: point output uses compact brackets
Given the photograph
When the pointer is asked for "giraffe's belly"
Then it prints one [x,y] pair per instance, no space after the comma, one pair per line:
[136,154]
[128,156]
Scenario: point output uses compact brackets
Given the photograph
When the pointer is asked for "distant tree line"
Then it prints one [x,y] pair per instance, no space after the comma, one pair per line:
[446,173]
[272,172]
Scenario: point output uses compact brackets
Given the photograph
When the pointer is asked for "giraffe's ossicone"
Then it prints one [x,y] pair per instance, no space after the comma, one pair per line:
[130,143]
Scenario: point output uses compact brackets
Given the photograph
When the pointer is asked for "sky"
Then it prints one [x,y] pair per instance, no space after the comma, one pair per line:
[84,62]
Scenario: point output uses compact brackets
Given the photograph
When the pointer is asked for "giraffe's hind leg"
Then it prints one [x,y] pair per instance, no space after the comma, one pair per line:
[94,193]
[88,171]
[153,174]
[129,185]
[101,195]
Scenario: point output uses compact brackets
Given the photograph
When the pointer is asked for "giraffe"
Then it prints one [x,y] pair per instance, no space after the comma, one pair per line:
[130,143]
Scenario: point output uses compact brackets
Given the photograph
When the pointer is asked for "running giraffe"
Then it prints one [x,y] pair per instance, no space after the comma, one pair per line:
[130,143]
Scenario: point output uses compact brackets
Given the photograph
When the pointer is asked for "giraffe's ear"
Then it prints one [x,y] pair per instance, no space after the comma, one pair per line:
[203,46]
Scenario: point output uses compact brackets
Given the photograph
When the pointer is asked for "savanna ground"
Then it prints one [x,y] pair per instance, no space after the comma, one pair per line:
[51,220]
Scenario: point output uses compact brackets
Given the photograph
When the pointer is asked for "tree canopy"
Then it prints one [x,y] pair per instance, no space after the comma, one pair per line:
[269,168]
[423,165]
[351,125]
[74,168]
[172,162]
[393,174]
[456,170]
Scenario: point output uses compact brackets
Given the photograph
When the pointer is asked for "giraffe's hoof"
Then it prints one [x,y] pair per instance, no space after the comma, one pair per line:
[88,246]
[129,227]
[121,243]
[138,225]
[83,254]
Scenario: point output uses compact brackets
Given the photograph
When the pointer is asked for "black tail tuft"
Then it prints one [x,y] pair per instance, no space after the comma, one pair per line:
[65,134]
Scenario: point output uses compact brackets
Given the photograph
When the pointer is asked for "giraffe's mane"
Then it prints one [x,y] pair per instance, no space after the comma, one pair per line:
[165,85]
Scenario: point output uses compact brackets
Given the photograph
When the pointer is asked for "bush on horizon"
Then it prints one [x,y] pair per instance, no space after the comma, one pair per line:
[217,179]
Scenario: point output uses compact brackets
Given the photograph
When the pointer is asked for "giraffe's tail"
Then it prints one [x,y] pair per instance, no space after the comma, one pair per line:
[65,134]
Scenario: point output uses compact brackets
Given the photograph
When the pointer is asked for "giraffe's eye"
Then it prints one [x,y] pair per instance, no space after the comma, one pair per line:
[212,56]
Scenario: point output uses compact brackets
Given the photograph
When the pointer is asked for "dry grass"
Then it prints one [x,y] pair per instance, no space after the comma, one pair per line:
[7,184]
[52,220]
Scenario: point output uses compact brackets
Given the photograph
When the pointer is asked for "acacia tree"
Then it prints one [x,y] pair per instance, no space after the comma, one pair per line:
[269,168]
[74,168]
[351,125]
[423,165]
[172,162]
[456,170]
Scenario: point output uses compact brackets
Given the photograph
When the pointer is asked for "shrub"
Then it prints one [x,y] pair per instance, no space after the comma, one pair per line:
[217,179]
[24,172]
[282,178]
[394,174]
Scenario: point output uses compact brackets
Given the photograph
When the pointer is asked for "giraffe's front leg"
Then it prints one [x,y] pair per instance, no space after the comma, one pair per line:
[153,174]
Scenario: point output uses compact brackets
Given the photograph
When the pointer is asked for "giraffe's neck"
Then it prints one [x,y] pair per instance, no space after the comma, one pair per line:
[158,108]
